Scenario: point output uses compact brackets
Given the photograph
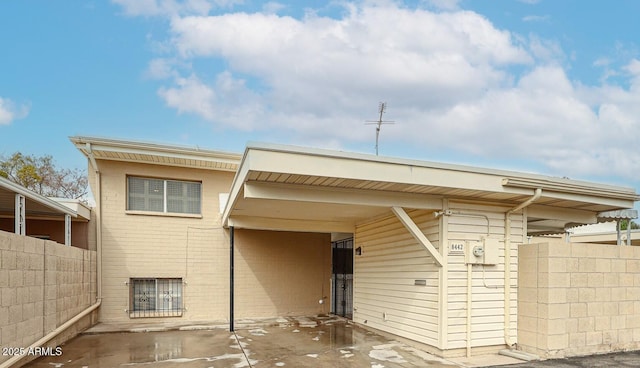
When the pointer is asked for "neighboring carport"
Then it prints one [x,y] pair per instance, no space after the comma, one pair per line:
[25,212]
[431,213]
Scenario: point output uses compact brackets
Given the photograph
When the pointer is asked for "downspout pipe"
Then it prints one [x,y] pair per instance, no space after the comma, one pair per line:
[507,263]
[98,194]
[231,281]
[50,335]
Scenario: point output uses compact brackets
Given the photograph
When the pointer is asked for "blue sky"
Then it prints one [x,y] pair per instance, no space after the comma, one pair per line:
[533,85]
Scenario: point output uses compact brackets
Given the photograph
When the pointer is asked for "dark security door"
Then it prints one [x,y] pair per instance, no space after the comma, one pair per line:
[342,255]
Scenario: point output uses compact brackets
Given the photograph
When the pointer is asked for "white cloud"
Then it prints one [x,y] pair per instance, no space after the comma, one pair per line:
[10,112]
[418,56]
[159,69]
[172,7]
[545,50]
[633,68]
[272,7]
[227,101]
[453,81]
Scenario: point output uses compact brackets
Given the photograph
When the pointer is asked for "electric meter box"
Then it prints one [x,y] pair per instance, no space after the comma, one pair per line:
[483,252]
[491,251]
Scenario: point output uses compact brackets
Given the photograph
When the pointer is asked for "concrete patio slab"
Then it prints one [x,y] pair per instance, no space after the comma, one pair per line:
[282,342]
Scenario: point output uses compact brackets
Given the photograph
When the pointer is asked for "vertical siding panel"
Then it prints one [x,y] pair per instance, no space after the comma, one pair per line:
[487,280]
[385,274]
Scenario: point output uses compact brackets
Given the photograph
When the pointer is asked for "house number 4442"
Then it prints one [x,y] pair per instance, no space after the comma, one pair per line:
[456,248]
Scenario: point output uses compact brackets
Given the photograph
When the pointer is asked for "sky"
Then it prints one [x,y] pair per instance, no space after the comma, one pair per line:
[544,86]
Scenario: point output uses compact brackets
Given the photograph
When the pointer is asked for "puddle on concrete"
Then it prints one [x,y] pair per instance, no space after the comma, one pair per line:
[305,343]
[171,349]
[258,332]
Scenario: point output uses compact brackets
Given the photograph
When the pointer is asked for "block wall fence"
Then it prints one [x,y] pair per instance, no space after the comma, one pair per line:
[43,284]
[578,299]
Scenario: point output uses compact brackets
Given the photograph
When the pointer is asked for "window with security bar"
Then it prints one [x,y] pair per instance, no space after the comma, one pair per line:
[155,297]
[162,195]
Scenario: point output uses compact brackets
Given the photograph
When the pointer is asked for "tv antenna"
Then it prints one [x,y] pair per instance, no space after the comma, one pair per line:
[382,106]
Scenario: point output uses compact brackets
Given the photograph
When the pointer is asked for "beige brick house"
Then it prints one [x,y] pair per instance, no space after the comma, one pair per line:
[434,255]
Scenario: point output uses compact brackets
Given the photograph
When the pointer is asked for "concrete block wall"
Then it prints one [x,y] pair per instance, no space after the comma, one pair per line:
[138,244]
[578,299]
[43,284]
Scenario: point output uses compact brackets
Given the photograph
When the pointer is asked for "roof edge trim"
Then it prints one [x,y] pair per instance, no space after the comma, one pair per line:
[138,146]
[592,189]
[17,188]
[511,178]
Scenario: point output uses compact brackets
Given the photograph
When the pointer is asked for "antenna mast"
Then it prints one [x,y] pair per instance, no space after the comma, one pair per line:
[382,106]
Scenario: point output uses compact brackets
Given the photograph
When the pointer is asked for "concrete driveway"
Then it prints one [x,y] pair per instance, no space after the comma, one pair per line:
[307,342]
[285,342]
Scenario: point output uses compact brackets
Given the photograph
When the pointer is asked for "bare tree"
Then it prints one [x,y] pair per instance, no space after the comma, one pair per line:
[41,175]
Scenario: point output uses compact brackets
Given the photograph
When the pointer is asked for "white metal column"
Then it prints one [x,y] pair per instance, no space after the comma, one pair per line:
[67,229]
[20,219]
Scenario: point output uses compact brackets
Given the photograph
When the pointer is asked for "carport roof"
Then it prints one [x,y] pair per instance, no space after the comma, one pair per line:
[294,188]
[36,205]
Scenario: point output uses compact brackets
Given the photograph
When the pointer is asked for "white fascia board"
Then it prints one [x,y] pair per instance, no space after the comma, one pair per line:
[611,236]
[82,209]
[277,224]
[589,198]
[19,189]
[309,193]
[458,176]
[236,187]
[390,172]
[575,187]
[563,214]
[144,148]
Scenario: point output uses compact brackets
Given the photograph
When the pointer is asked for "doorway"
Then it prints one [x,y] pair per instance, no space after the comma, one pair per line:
[342,277]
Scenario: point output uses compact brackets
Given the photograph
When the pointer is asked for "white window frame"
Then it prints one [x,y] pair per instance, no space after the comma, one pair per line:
[166,197]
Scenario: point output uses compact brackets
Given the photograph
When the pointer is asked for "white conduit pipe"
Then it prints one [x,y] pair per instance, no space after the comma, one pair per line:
[50,335]
[507,263]
[469,297]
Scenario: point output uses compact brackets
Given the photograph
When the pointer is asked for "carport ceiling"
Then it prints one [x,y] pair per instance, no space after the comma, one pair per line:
[280,187]
[36,206]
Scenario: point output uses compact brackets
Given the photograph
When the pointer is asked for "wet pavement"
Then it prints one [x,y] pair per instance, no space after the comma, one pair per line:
[306,343]
[291,342]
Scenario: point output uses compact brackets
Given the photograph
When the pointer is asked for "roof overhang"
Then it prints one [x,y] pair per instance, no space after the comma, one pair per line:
[37,206]
[291,188]
[158,154]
